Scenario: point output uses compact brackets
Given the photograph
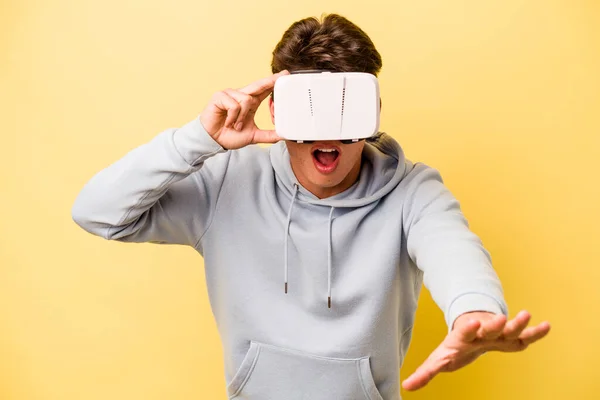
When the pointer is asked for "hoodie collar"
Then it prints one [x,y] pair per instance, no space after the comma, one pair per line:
[383,167]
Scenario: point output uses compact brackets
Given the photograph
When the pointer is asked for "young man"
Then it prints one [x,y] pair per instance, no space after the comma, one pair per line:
[314,253]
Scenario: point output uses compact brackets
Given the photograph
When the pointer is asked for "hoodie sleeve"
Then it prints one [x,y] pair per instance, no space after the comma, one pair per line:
[457,269]
[159,192]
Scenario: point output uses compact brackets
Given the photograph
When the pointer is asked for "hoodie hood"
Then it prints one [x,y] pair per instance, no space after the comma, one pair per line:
[383,167]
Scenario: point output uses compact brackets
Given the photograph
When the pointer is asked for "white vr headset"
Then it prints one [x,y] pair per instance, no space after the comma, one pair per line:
[313,105]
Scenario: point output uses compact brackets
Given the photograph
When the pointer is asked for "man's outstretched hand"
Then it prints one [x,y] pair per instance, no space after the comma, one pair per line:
[472,335]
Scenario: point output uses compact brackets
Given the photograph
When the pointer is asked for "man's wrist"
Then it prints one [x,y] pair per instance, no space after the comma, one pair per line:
[194,143]
[473,302]
[476,315]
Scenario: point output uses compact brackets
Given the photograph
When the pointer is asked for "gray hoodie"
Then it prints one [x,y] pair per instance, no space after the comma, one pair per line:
[313,299]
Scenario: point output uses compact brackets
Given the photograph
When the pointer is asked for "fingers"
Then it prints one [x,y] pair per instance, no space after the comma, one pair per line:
[492,328]
[263,87]
[534,333]
[468,331]
[248,104]
[227,104]
[516,336]
[249,99]
[515,326]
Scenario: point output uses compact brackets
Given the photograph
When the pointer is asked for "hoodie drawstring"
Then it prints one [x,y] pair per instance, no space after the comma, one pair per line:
[287,233]
[329,260]
[329,248]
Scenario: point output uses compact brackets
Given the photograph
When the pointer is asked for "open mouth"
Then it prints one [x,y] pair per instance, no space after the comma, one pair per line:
[325,158]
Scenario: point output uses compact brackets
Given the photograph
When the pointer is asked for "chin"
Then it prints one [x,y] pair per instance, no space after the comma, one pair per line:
[326,181]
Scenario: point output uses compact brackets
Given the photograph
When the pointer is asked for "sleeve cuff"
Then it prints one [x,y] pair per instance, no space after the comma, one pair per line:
[473,302]
[195,144]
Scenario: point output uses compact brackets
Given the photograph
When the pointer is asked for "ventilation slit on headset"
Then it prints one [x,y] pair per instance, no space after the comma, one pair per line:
[343,99]
[310,101]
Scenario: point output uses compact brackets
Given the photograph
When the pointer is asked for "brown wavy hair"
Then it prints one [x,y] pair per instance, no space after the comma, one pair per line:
[333,43]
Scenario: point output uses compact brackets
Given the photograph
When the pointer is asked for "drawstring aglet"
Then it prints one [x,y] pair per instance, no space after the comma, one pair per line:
[329,301]
[286,287]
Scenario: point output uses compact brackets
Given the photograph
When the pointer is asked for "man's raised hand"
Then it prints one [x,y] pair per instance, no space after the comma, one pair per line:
[229,116]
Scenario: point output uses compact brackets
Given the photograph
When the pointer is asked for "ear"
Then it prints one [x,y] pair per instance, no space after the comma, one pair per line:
[272,109]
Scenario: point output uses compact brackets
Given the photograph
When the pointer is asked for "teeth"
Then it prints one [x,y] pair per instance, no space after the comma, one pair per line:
[327,150]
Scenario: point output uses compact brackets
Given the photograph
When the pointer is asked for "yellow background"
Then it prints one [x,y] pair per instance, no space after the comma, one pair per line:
[502,96]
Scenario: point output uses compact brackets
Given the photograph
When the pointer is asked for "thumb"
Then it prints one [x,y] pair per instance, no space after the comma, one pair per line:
[265,136]
[425,373]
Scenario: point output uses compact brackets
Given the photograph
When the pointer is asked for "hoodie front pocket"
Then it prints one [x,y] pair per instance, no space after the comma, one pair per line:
[270,372]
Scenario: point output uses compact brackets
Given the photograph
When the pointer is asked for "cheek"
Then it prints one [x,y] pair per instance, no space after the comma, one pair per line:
[301,156]
[353,156]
